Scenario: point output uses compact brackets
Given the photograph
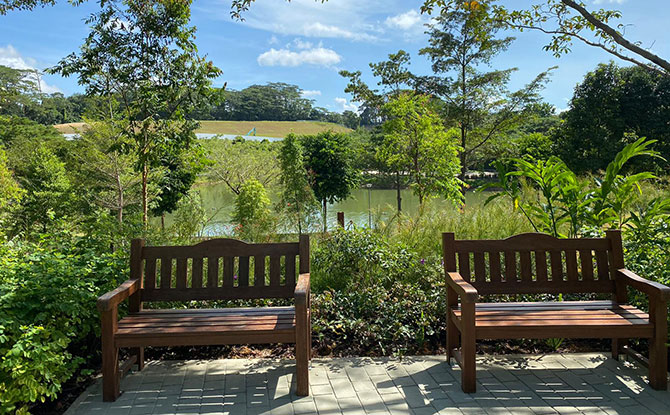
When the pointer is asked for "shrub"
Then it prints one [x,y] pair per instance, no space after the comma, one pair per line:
[48,292]
[252,211]
[358,258]
[376,320]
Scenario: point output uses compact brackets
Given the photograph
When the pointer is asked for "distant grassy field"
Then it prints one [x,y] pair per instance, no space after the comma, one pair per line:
[263,128]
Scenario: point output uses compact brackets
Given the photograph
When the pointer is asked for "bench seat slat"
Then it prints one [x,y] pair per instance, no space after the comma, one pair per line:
[210,322]
[558,319]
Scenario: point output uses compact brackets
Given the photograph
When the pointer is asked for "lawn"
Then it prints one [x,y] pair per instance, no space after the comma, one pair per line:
[263,128]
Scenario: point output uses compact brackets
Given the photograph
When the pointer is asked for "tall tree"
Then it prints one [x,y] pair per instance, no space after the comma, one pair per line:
[144,52]
[297,198]
[609,109]
[416,142]
[329,163]
[464,40]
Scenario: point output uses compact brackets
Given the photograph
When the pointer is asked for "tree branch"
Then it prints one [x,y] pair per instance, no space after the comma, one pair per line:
[617,37]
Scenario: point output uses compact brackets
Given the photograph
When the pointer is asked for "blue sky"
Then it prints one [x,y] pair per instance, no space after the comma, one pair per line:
[306,43]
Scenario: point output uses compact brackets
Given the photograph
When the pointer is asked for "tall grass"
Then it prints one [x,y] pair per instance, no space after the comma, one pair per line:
[423,231]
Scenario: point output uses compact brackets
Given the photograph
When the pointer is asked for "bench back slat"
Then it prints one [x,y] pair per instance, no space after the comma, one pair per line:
[178,273]
[535,263]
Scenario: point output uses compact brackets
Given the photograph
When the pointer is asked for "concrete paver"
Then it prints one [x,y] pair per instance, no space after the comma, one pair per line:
[586,383]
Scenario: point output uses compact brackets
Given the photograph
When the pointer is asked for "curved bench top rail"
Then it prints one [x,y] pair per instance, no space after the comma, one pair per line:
[220,247]
[531,242]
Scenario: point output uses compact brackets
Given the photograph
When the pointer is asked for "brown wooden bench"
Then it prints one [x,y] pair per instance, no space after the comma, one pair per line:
[217,269]
[541,264]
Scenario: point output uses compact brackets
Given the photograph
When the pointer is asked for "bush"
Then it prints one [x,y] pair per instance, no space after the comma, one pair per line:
[379,321]
[359,258]
[50,325]
[252,212]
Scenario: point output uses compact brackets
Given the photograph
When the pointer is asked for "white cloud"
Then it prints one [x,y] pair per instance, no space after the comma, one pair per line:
[11,57]
[344,19]
[300,44]
[404,21]
[273,40]
[318,29]
[609,1]
[345,105]
[310,93]
[285,57]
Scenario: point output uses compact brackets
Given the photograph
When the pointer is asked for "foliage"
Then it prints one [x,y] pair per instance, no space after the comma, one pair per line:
[48,313]
[297,202]
[10,192]
[379,321]
[47,193]
[145,52]
[234,162]
[416,142]
[102,172]
[329,163]
[567,204]
[189,217]
[609,108]
[252,212]
[463,39]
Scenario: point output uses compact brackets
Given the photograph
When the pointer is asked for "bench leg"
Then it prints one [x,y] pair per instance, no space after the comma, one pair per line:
[301,350]
[452,331]
[139,352]
[468,349]
[658,351]
[617,347]
[110,359]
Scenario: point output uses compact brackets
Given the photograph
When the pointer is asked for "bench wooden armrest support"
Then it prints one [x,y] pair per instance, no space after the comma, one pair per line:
[464,289]
[110,300]
[302,289]
[651,288]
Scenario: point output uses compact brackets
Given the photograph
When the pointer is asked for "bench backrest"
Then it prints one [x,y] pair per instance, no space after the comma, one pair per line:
[534,263]
[218,269]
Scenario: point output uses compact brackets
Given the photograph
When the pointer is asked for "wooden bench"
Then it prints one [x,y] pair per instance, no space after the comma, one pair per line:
[217,269]
[541,264]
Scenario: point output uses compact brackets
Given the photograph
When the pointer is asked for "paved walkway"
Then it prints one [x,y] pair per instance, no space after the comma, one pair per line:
[531,384]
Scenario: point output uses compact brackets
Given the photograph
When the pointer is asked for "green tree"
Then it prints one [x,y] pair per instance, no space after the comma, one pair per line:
[297,198]
[144,52]
[609,109]
[329,163]
[17,90]
[252,212]
[47,192]
[235,162]
[416,142]
[10,192]
[463,40]
[103,173]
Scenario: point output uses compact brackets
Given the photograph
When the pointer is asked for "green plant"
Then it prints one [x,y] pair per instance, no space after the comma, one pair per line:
[49,318]
[252,212]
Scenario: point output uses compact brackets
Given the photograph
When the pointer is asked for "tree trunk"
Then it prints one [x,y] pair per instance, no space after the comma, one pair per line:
[163,221]
[325,215]
[145,196]
[120,201]
[397,186]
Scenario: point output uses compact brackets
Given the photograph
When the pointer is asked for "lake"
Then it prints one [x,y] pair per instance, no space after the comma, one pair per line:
[218,202]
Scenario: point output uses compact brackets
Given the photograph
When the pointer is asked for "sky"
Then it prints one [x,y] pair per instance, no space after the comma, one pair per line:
[307,42]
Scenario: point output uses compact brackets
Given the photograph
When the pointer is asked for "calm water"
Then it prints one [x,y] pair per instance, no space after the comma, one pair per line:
[218,202]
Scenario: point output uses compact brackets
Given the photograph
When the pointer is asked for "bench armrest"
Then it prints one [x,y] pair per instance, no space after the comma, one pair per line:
[112,299]
[650,288]
[302,289]
[464,289]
